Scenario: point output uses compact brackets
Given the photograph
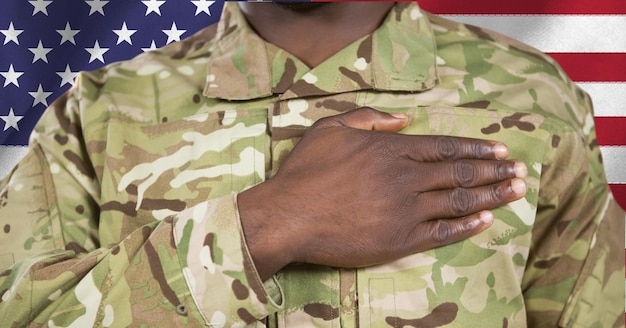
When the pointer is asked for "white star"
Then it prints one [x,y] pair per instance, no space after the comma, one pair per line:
[68,76]
[11,34]
[10,121]
[173,34]
[40,96]
[11,76]
[96,5]
[68,34]
[40,6]
[124,34]
[40,52]
[152,47]
[96,52]
[202,6]
[153,5]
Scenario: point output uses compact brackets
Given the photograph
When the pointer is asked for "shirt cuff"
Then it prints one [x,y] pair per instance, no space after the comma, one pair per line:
[218,268]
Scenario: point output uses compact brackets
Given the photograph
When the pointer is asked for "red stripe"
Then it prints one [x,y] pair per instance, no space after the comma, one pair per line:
[611,131]
[477,7]
[593,67]
[619,192]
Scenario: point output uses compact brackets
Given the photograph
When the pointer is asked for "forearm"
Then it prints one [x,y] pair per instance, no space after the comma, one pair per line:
[218,266]
[187,268]
[138,280]
[269,245]
[114,283]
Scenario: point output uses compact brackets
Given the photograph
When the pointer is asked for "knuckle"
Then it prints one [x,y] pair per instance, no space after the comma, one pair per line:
[465,173]
[442,231]
[504,170]
[401,240]
[325,121]
[468,225]
[497,193]
[392,147]
[379,149]
[368,111]
[480,149]
[461,201]
[397,175]
[407,201]
[447,147]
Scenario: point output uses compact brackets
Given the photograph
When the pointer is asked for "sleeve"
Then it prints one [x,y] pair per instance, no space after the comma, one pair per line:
[60,276]
[574,276]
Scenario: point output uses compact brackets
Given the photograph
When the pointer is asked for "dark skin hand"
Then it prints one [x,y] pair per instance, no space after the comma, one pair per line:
[353,192]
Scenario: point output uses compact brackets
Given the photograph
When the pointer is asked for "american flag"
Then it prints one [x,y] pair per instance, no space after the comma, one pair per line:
[47,42]
[587,38]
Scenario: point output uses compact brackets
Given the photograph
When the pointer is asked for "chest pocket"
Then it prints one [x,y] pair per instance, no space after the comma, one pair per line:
[153,171]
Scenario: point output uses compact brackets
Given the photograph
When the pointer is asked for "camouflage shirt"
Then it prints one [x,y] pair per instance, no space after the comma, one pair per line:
[124,211]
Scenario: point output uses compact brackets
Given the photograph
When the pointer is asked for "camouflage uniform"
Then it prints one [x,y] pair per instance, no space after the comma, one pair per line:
[124,211]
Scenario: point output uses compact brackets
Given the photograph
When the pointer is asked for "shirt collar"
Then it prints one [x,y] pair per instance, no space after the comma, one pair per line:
[399,56]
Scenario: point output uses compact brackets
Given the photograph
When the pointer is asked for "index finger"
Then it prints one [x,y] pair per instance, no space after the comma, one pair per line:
[430,148]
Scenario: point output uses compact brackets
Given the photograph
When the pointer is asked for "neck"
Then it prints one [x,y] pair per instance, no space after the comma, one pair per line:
[315,32]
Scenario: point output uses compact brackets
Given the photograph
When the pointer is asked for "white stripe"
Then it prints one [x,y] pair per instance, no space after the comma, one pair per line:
[557,33]
[9,156]
[605,97]
[614,163]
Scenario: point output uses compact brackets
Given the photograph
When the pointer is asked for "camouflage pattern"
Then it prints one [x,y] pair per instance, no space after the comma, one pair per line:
[124,211]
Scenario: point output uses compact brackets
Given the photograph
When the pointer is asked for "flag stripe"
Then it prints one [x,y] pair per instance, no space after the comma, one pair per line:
[592,55]
[619,192]
[594,67]
[9,156]
[604,95]
[525,7]
[611,131]
[558,33]
[585,36]
[614,163]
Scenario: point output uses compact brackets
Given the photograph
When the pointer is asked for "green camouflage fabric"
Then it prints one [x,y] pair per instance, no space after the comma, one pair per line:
[124,211]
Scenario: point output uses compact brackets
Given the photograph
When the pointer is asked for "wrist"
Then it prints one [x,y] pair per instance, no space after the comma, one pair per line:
[267,243]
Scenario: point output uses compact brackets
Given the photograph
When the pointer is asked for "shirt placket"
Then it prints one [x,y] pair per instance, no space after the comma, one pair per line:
[315,296]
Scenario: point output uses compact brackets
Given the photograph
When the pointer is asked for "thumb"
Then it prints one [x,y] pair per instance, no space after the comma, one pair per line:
[367,118]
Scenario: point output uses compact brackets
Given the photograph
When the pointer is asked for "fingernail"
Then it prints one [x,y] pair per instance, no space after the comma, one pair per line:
[518,186]
[501,151]
[521,171]
[401,116]
[486,217]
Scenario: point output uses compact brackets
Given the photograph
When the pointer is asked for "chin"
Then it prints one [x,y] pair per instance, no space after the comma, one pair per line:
[298,6]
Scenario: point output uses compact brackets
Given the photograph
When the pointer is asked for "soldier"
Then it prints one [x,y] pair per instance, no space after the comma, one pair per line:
[334,165]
